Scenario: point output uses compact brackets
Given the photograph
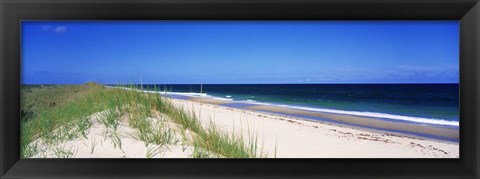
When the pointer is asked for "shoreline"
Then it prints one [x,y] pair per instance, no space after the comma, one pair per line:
[407,128]
[293,137]
[415,129]
[209,128]
[375,114]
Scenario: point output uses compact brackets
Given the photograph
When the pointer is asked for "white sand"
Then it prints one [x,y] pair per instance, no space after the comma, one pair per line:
[297,138]
[286,137]
[99,143]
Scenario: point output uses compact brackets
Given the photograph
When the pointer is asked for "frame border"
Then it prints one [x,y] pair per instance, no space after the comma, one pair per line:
[466,11]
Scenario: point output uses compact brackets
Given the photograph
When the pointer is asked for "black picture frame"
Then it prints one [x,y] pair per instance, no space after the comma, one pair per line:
[14,11]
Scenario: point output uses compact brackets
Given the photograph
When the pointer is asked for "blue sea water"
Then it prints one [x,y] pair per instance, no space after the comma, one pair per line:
[434,102]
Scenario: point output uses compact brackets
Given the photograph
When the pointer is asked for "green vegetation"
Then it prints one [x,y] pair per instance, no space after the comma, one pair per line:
[38,98]
[59,113]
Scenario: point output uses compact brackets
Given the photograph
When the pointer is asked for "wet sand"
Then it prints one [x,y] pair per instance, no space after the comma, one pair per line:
[436,132]
[286,136]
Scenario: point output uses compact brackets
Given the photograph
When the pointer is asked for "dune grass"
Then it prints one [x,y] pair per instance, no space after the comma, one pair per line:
[70,119]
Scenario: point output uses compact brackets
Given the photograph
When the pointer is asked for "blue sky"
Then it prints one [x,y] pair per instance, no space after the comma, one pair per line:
[193,52]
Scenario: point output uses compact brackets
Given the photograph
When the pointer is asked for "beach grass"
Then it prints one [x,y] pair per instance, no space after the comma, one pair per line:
[60,113]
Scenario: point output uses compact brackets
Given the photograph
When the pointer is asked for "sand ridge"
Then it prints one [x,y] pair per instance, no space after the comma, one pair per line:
[278,136]
[100,143]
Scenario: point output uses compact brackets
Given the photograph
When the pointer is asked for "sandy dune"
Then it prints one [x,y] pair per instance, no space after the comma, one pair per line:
[278,136]
[100,143]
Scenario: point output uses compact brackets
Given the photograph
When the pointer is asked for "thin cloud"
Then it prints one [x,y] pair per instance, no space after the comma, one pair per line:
[429,69]
[60,29]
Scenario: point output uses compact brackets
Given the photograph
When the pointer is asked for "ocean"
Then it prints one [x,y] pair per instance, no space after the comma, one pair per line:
[436,104]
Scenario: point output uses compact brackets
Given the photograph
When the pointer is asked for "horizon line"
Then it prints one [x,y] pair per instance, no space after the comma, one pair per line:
[231,83]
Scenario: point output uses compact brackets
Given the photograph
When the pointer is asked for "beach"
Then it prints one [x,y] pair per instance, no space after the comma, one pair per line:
[201,126]
[291,137]
[183,89]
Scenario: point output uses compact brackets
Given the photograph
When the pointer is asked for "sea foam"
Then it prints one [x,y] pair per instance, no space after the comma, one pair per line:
[335,111]
[365,114]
